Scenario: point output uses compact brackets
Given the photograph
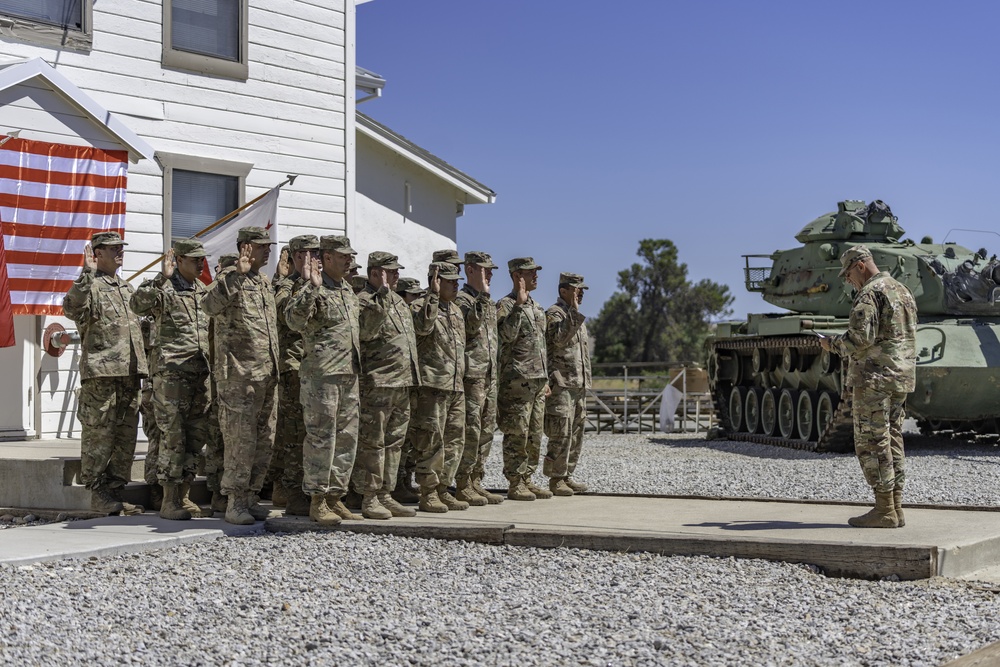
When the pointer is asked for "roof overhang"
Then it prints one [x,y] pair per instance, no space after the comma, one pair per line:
[17,72]
[474,191]
[369,83]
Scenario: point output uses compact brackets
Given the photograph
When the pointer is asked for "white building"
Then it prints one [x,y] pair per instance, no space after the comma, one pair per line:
[216,101]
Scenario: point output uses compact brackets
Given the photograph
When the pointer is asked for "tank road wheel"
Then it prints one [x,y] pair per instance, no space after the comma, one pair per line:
[825,407]
[751,409]
[790,359]
[736,397]
[759,360]
[786,412]
[769,412]
[825,362]
[805,415]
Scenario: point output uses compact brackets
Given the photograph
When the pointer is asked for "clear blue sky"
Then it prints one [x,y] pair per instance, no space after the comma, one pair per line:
[722,126]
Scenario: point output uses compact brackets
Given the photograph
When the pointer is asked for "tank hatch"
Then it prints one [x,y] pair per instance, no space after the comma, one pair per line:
[854,220]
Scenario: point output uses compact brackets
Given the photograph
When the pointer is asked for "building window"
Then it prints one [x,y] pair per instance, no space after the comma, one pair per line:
[207,36]
[197,192]
[62,23]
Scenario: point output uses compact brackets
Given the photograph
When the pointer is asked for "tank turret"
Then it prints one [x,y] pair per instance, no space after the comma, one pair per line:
[772,382]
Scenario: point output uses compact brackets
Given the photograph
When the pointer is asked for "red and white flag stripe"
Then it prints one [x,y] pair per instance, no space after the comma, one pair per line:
[53,197]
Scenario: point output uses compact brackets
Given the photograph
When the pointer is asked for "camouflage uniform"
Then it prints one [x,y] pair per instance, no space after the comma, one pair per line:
[521,380]
[286,463]
[568,349]
[112,362]
[215,447]
[327,318]
[246,369]
[180,369]
[389,361]
[480,382]
[439,417]
[881,344]
[149,426]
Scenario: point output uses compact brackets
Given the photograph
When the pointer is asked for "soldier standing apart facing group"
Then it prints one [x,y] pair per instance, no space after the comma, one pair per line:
[568,349]
[325,311]
[522,380]
[179,365]
[112,364]
[881,343]
[389,360]
[246,370]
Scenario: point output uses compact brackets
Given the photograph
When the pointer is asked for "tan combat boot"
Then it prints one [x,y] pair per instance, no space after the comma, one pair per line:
[491,498]
[188,504]
[171,507]
[353,499]
[338,507]
[321,513]
[101,500]
[371,508]
[257,511]
[466,492]
[128,508]
[559,487]
[578,487]
[883,515]
[394,507]
[405,491]
[298,503]
[897,504]
[219,502]
[449,500]
[429,502]
[518,491]
[279,494]
[155,496]
[236,512]
[540,493]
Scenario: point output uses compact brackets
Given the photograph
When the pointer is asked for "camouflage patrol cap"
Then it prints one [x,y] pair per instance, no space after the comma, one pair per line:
[358,283]
[446,270]
[340,244]
[450,256]
[408,286]
[189,248]
[522,264]
[851,255]
[106,238]
[303,242]
[256,235]
[354,265]
[229,259]
[572,280]
[383,260]
[479,258]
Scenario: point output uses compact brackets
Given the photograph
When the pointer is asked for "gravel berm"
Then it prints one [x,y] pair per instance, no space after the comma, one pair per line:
[351,599]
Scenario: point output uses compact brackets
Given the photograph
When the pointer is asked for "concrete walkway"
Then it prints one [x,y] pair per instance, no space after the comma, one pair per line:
[935,542]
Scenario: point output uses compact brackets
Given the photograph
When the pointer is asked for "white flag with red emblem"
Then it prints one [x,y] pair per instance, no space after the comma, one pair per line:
[222,240]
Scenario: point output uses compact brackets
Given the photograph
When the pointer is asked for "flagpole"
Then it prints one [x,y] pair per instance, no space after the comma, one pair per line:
[221,221]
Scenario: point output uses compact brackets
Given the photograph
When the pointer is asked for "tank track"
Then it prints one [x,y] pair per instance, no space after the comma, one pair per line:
[838,436]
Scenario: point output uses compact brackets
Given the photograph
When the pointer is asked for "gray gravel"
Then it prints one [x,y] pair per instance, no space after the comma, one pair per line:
[347,599]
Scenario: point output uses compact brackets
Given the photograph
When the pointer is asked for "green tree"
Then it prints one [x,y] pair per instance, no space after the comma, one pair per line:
[657,314]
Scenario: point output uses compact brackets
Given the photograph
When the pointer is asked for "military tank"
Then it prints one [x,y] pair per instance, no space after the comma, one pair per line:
[773,383]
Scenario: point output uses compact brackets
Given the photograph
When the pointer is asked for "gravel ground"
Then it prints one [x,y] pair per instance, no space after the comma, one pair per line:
[347,599]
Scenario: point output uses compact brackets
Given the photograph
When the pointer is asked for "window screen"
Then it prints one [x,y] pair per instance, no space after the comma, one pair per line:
[61,13]
[199,199]
[208,27]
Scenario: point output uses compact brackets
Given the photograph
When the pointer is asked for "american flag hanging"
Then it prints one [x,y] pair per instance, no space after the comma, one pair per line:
[53,197]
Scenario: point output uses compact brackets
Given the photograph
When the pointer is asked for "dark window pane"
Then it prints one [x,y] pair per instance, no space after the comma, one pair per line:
[208,27]
[61,13]
[199,199]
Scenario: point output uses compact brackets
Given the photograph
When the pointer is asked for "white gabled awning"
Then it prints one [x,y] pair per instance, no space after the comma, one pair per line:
[17,72]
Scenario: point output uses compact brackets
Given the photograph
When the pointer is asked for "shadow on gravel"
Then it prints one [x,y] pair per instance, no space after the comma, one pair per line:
[762,525]
[156,525]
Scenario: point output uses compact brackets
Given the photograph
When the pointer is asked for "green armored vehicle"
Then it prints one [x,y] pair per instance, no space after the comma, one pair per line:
[772,382]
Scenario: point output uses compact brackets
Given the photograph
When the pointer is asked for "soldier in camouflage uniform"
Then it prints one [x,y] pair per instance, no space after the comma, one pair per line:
[180,370]
[481,346]
[410,291]
[112,363]
[439,418]
[881,344]
[568,350]
[286,462]
[149,426]
[325,311]
[522,384]
[246,372]
[215,448]
[389,360]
